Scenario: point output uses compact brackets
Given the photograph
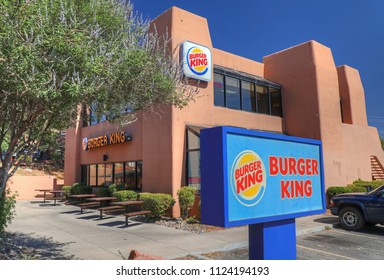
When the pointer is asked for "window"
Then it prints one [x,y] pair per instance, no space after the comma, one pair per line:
[262,99]
[219,90]
[119,173]
[130,174]
[232,93]
[92,175]
[247,93]
[193,158]
[130,178]
[248,96]
[276,104]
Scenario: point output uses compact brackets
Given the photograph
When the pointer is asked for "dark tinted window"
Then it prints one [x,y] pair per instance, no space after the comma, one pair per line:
[232,93]
[262,99]
[248,96]
[219,90]
[276,108]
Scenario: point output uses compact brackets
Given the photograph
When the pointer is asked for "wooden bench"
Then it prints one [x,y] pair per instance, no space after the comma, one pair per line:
[88,205]
[109,209]
[133,214]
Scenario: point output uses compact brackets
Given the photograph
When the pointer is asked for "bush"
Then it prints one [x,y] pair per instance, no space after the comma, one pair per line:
[375,184]
[331,191]
[356,188]
[158,203]
[79,188]
[7,210]
[186,200]
[67,190]
[125,195]
[102,192]
[116,187]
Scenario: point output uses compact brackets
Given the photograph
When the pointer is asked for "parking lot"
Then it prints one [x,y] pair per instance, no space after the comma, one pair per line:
[339,244]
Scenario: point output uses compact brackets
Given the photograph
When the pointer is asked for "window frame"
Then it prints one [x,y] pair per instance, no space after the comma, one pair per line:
[256,81]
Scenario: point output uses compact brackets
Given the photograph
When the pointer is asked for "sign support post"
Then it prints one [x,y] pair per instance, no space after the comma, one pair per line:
[273,240]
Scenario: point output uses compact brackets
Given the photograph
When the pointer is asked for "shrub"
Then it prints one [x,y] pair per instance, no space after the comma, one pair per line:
[357,188]
[374,184]
[80,188]
[67,190]
[116,187]
[331,191]
[7,210]
[102,192]
[157,203]
[186,200]
[125,195]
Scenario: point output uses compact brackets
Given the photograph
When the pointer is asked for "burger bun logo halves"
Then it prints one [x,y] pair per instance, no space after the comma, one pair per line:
[197,61]
[248,178]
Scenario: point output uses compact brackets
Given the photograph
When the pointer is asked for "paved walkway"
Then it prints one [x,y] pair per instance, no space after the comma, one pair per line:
[61,232]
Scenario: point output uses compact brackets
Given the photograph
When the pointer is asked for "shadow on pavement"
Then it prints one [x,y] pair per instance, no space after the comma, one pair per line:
[327,220]
[20,246]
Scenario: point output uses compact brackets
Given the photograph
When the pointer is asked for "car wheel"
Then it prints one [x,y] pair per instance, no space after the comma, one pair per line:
[351,218]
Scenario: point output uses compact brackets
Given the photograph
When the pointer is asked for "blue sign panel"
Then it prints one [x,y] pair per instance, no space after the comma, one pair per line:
[250,177]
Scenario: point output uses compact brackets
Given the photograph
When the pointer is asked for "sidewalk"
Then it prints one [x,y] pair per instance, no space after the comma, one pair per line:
[61,232]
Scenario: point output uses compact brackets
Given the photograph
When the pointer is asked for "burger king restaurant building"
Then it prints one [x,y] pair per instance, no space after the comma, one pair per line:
[298,91]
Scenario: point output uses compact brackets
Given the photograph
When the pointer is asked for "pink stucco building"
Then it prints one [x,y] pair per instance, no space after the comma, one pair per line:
[298,91]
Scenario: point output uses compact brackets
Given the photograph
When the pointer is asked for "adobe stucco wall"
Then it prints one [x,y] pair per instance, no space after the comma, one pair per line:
[25,185]
[312,88]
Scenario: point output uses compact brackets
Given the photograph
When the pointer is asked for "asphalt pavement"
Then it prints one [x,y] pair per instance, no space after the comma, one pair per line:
[62,232]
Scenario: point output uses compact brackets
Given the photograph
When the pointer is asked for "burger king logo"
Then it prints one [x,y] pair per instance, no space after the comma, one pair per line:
[248,178]
[197,61]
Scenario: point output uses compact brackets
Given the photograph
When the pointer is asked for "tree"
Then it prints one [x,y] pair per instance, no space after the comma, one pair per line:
[59,56]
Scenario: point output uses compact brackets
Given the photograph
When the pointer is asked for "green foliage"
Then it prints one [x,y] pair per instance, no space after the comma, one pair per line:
[58,56]
[67,190]
[125,195]
[80,188]
[116,187]
[331,191]
[192,220]
[357,186]
[7,210]
[374,184]
[186,197]
[102,192]
[158,203]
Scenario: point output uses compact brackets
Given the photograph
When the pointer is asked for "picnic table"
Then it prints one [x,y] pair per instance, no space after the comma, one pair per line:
[127,204]
[44,193]
[49,194]
[94,202]
[56,195]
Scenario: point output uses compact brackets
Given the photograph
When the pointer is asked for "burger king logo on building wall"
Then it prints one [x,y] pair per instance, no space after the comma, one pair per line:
[248,178]
[197,61]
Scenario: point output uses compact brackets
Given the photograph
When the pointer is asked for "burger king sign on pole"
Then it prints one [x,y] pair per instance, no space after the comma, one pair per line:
[262,180]
[196,61]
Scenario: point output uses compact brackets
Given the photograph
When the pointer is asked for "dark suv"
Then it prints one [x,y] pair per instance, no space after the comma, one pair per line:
[358,209]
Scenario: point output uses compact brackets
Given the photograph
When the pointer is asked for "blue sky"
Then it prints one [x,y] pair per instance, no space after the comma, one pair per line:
[353,29]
